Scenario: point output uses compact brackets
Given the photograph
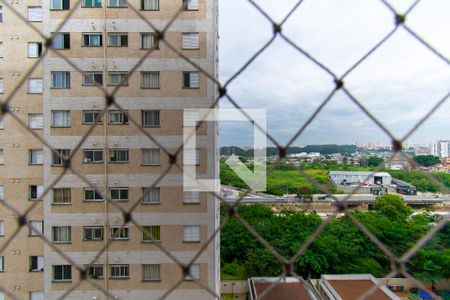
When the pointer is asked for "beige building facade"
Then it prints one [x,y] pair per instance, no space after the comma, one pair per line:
[109,45]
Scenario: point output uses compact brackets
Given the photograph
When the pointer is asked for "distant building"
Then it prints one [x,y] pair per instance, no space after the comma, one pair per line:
[398,163]
[364,178]
[274,288]
[440,149]
[352,287]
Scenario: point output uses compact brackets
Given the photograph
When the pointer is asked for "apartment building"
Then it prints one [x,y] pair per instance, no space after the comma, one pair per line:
[440,149]
[109,45]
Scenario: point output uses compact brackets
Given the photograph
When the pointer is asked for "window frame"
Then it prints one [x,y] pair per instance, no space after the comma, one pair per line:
[144,119]
[31,232]
[65,80]
[95,82]
[122,236]
[38,81]
[94,199]
[39,122]
[83,4]
[196,276]
[39,262]
[151,73]
[30,156]
[67,117]
[186,5]
[123,39]
[117,6]
[38,50]
[120,190]
[155,41]
[58,161]
[143,163]
[95,113]
[2,228]
[188,197]
[188,82]
[187,46]
[125,270]
[116,153]
[147,193]
[91,269]
[189,237]
[122,115]
[2,263]
[93,231]
[38,197]
[64,269]
[65,192]
[147,234]
[55,234]
[123,81]
[65,40]
[65,5]
[143,278]
[93,161]
[28,13]
[88,35]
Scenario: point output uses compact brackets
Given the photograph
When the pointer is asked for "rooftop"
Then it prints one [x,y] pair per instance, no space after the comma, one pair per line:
[289,288]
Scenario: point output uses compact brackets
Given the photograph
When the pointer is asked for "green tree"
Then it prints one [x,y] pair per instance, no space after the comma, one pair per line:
[393,207]
[305,193]
[374,161]
[426,160]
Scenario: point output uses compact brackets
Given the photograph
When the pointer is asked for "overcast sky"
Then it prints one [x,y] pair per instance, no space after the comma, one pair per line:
[399,83]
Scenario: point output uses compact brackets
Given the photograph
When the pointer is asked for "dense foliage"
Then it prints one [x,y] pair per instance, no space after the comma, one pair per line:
[420,181]
[271,151]
[426,160]
[340,248]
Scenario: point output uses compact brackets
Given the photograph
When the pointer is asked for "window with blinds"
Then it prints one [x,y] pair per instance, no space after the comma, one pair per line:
[1,49]
[148,40]
[191,80]
[62,195]
[35,86]
[118,117]
[191,233]
[1,86]
[2,228]
[150,4]
[194,272]
[37,296]
[2,157]
[92,78]
[151,233]
[150,118]
[35,156]
[34,14]
[62,234]
[191,157]
[151,157]
[191,197]
[59,156]
[151,195]
[60,80]
[150,80]
[34,50]
[61,118]
[190,40]
[119,271]
[117,78]
[2,193]
[151,272]
[35,121]
[117,3]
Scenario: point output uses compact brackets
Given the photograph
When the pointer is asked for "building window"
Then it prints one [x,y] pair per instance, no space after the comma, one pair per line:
[34,50]
[148,40]
[36,263]
[95,271]
[191,233]
[119,194]
[118,233]
[1,13]
[60,156]
[151,233]
[37,228]
[91,194]
[1,86]
[62,195]
[150,4]
[118,117]
[151,157]
[1,49]
[117,39]
[117,78]
[190,40]
[1,122]
[62,273]
[191,80]
[151,272]
[190,4]
[192,157]
[191,197]
[62,234]
[150,80]
[37,296]
[61,40]
[59,4]
[118,155]
[35,157]
[35,86]
[194,272]
[117,3]
[2,228]
[150,118]
[93,233]
[92,156]
[34,14]
[2,193]
[35,191]
[92,39]
[60,80]
[2,157]
[92,116]
[151,195]
[61,118]
[35,121]
[119,271]
[2,264]
[92,78]
[91,3]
